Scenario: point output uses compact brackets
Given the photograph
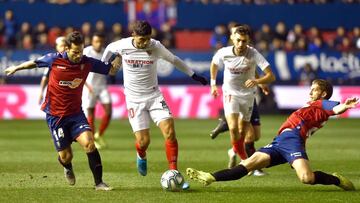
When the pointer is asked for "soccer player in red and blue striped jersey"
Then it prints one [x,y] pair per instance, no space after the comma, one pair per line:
[62,105]
[289,145]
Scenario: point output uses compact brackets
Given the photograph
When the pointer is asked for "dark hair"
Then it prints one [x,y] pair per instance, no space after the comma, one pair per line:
[99,34]
[324,86]
[142,28]
[74,38]
[243,30]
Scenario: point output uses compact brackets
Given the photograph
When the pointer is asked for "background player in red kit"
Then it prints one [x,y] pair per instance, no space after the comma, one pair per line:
[289,144]
[62,105]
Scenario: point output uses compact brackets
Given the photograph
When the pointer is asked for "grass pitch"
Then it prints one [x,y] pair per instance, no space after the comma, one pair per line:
[29,171]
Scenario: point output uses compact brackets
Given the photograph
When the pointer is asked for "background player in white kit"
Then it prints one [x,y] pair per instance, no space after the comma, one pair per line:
[143,98]
[97,91]
[60,47]
[239,87]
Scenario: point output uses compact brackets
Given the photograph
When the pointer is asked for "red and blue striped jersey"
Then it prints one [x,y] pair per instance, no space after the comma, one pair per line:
[310,118]
[66,81]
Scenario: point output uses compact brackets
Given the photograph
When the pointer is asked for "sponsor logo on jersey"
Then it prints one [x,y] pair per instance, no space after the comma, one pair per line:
[72,84]
[239,70]
[140,62]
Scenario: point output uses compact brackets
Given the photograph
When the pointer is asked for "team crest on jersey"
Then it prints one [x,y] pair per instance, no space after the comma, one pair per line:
[72,84]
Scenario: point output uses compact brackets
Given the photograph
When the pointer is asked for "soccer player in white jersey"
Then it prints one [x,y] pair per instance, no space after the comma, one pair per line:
[239,87]
[96,90]
[60,47]
[143,98]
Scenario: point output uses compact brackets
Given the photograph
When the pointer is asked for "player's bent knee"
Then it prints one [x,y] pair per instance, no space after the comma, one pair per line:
[65,157]
[89,147]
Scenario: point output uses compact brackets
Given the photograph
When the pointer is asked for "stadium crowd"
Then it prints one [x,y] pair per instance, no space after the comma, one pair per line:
[23,35]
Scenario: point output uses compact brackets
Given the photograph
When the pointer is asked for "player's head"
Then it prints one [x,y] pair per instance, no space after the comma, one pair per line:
[74,46]
[241,38]
[60,44]
[233,29]
[98,41]
[320,89]
[141,34]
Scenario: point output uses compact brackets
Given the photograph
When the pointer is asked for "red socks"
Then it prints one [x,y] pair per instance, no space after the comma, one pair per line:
[90,120]
[172,153]
[104,124]
[141,152]
[238,147]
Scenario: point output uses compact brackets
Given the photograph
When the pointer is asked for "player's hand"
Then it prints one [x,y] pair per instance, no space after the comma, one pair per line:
[352,102]
[11,70]
[250,83]
[264,88]
[115,65]
[214,91]
[200,79]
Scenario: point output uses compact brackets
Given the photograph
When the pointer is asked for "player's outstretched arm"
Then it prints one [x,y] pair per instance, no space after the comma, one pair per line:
[26,65]
[348,104]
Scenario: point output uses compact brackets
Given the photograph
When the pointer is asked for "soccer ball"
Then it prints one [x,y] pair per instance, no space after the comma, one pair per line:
[172,180]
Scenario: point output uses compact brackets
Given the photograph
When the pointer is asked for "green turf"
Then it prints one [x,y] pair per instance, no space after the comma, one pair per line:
[29,171]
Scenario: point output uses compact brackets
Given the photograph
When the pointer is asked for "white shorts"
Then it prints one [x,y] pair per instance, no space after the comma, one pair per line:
[102,95]
[239,104]
[140,113]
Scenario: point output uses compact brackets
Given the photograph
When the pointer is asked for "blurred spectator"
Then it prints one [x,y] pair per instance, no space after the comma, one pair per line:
[117,32]
[68,30]
[39,30]
[9,29]
[25,29]
[87,33]
[219,37]
[43,43]
[100,27]
[53,34]
[265,34]
[356,38]
[27,42]
[281,31]
[307,75]
[295,34]
[316,45]
[166,36]
[301,45]
[340,35]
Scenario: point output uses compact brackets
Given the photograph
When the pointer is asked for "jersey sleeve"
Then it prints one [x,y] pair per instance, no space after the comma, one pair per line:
[329,105]
[46,60]
[111,51]
[217,58]
[260,60]
[165,54]
[99,66]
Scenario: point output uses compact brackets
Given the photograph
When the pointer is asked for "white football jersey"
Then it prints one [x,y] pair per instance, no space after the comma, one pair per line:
[238,69]
[140,67]
[95,80]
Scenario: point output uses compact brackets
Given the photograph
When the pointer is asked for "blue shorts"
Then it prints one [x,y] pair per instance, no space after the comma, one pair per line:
[255,116]
[285,147]
[64,130]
